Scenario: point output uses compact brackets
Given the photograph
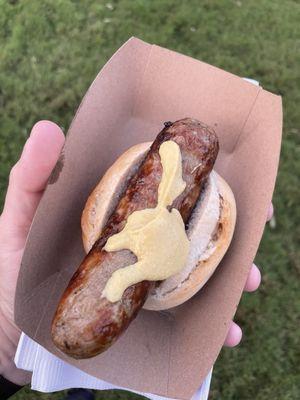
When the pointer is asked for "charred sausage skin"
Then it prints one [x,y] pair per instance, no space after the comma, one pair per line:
[85,323]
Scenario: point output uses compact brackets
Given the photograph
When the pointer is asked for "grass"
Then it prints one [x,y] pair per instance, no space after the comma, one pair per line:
[49,53]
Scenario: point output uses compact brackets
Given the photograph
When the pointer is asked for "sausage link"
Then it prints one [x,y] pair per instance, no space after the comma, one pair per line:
[85,323]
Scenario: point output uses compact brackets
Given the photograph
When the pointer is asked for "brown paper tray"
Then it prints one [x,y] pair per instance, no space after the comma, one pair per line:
[141,86]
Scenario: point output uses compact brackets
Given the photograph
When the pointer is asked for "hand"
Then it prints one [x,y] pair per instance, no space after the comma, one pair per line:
[234,334]
[27,180]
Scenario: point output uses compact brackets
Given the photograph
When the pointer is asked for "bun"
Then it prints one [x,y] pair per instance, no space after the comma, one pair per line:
[104,197]
[210,228]
[198,271]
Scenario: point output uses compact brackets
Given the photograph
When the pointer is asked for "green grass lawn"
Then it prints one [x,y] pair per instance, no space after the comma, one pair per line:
[50,51]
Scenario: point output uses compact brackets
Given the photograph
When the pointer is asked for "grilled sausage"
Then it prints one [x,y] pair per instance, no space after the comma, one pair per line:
[85,323]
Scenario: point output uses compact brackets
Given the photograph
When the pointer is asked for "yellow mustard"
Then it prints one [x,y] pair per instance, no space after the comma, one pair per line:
[155,235]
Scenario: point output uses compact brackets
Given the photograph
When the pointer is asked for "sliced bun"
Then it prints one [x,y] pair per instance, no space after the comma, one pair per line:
[105,196]
[197,272]
[210,228]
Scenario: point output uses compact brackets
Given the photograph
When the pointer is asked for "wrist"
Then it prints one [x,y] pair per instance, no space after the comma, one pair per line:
[9,336]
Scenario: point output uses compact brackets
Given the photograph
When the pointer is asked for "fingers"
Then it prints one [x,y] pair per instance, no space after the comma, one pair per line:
[253,280]
[39,156]
[29,175]
[270,212]
[234,335]
[254,277]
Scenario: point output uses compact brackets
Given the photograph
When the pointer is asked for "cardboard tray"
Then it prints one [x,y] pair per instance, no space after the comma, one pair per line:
[139,88]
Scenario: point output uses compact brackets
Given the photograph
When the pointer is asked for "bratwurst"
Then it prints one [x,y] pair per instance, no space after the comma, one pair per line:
[86,323]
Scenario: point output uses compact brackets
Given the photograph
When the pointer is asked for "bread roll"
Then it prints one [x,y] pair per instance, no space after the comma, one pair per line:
[210,228]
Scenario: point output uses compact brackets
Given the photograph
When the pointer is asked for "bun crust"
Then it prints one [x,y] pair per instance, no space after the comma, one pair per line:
[103,199]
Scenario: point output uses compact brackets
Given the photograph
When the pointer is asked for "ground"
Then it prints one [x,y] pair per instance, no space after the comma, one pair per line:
[51,51]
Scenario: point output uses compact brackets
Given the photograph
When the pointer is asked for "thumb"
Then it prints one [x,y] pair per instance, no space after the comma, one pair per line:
[28,178]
